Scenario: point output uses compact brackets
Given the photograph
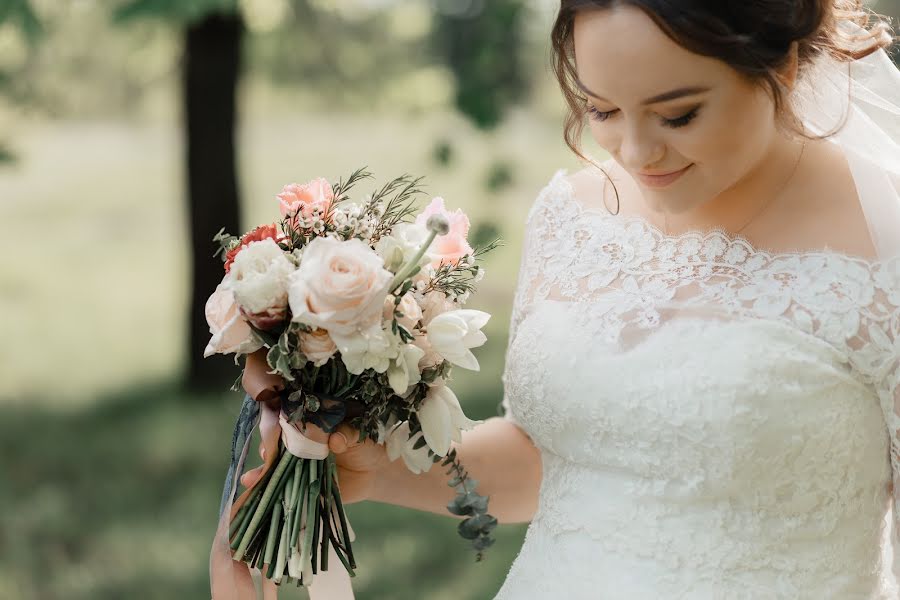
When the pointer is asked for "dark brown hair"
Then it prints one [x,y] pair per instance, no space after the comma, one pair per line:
[755,37]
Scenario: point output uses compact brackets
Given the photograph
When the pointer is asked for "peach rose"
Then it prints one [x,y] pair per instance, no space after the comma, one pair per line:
[435,303]
[230,332]
[317,346]
[411,310]
[303,199]
[449,248]
[340,286]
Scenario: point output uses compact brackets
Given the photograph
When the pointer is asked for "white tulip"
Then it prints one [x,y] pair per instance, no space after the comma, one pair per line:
[399,444]
[404,370]
[442,419]
[452,333]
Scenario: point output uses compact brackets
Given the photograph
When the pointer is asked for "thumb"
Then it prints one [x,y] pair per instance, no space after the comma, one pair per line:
[343,439]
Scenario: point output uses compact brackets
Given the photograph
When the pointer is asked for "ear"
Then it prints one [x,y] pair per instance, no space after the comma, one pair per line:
[787,74]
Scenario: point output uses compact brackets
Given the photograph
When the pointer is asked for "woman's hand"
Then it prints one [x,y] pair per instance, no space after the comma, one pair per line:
[358,464]
[258,382]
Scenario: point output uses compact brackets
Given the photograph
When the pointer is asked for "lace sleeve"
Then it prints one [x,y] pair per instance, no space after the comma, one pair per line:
[534,242]
[883,355]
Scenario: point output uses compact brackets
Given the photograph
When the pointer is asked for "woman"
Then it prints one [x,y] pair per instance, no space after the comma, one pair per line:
[702,371]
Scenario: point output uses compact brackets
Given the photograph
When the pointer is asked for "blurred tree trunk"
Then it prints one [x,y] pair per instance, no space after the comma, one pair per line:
[211,73]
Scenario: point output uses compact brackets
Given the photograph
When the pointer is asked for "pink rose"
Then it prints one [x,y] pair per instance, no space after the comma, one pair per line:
[303,199]
[317,346]
[340,286]
[230,332]
[449,248]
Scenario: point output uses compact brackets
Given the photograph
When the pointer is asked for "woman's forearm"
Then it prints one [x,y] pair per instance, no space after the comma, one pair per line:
[497,453]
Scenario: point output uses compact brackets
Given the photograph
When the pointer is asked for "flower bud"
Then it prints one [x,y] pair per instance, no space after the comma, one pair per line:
[438,223]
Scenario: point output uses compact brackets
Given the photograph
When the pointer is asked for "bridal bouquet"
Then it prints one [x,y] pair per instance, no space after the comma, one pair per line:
[359,308]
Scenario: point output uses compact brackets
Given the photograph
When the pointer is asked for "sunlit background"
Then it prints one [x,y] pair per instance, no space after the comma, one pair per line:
[114,431]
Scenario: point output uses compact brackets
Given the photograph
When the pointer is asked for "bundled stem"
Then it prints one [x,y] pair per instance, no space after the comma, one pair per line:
[290,519]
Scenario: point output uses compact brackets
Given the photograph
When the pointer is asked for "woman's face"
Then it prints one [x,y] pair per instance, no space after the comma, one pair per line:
[686,127]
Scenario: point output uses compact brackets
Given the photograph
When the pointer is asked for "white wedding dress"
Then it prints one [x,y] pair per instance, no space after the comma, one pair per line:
[715,422]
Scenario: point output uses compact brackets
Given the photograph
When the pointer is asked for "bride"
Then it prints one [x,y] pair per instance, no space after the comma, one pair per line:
[702,382]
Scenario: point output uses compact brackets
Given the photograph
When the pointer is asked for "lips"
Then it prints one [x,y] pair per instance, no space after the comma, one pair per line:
[662,180]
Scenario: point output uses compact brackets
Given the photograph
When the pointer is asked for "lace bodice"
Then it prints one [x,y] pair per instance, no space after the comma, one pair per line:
[714,421]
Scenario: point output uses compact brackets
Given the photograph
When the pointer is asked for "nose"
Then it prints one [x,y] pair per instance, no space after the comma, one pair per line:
[639,149]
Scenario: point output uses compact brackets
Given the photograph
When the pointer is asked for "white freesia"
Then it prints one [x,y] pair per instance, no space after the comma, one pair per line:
[398,443]
[371,348]
[452,333]
[442,419]
[259,277]
[401,245]
[229,329]
[404,370]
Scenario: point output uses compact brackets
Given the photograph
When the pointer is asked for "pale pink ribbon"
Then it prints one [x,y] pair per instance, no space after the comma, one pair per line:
[234,580]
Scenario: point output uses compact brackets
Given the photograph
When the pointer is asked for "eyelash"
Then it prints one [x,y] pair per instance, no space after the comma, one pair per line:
[673,123]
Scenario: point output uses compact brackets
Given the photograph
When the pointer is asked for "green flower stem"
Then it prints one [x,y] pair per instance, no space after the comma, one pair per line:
[345,529]
[263,505]
[281,562]
[312,498]
[299,512]
[236,522]
[271,541]
[251,504]
[409,267]
[273,529]
[245,522]
[326,511]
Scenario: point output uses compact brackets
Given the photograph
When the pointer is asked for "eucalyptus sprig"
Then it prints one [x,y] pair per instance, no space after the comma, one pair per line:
[478,524]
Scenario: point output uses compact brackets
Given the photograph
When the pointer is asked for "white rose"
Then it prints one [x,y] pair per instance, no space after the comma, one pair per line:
[404,370]
[398,443]
[452,333]
[340,286]
[442,419]
[317,346]
[230,331]
[372,348]
[259,278]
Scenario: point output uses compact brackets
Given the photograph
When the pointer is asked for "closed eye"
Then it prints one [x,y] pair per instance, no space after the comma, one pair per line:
[599,115]
[682,120]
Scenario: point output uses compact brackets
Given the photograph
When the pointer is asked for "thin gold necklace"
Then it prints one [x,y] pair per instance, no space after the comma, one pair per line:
[772,198]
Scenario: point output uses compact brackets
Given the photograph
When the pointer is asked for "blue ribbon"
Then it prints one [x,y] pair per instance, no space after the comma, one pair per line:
[243,430]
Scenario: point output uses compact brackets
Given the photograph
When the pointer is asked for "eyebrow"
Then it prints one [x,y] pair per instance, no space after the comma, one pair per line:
[664,97]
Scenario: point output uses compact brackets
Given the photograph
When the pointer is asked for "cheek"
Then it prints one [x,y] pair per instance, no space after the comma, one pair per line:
[727,142]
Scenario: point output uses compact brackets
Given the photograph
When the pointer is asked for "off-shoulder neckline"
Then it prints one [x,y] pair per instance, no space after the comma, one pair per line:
[731,239]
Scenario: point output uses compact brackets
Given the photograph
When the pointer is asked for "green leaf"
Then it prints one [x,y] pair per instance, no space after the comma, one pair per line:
[419,443]
[458,510]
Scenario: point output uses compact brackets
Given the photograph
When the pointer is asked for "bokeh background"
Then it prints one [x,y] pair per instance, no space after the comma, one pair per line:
[130,132]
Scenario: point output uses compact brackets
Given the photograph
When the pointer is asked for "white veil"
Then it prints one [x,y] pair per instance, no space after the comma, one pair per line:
[865,92]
